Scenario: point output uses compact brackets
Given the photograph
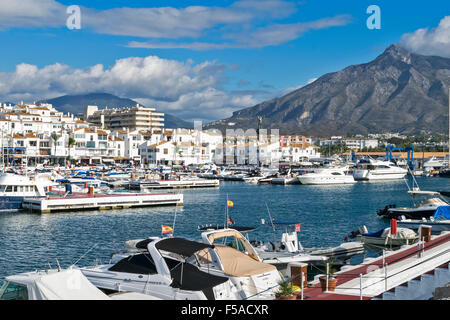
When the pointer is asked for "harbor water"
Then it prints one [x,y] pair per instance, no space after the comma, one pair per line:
[31,241]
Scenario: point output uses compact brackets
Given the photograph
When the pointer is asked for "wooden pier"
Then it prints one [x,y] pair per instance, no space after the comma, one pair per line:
[83,201]
[174,184]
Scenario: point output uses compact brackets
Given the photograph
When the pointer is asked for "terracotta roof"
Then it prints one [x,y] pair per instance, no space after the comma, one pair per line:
[30,135]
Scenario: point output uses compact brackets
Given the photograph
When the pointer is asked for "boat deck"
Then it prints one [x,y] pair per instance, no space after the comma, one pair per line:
[371,279]
[175,184]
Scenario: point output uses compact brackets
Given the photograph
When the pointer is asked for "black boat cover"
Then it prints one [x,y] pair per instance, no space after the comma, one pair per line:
[188,277]
[445,193]
[181,246]
[144,243]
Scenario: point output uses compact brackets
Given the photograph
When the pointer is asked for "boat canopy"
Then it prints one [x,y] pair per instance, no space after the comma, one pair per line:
[232,233]
[69,284]
[238,264]
[181,246]
[442,211]
[402,233]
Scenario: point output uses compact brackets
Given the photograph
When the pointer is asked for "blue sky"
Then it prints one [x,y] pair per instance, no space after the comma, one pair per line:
[200,59]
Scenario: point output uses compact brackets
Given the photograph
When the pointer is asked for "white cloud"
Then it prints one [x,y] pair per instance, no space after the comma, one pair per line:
[435,41]
[270,35]
[191,90]
[162,22]
[31,13]
[242,24]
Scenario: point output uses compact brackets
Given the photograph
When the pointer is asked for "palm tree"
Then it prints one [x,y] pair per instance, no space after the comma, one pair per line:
[55,138]
[70,143]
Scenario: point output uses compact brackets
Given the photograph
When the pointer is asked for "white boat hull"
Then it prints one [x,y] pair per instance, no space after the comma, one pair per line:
[366,175]
[316,180]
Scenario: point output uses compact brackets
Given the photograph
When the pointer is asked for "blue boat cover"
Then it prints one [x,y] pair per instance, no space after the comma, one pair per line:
[443,211]
[374,234]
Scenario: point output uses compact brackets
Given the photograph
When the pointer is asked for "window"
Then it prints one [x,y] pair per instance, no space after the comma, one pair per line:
[12,291]
[166,151]
[8,189]
[139,263]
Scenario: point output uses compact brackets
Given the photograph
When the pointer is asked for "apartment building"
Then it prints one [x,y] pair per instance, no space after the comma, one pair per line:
[133,118]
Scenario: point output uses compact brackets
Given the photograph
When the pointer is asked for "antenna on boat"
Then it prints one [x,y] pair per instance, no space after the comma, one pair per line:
[58,265]
[174,219]
[271,220]
[73,264]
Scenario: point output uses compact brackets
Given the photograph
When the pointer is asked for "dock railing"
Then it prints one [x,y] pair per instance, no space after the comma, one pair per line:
[375,276]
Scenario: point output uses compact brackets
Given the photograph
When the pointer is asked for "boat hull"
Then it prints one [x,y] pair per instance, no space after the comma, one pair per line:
[11,203]
[378,241]
[368,175]
[326,180]
[396,213]
[416,224]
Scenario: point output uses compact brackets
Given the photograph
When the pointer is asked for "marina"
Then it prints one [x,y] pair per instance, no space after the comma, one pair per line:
[225,156]
[321,232]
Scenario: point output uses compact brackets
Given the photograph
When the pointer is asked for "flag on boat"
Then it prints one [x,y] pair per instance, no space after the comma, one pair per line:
[166,229]
[230,221]
[297,227]
[230,203]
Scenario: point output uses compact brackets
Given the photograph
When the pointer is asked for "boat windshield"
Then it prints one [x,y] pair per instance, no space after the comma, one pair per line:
[13,291]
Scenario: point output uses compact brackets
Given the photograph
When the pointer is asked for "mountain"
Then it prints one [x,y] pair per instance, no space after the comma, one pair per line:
[75,104]
[398,91]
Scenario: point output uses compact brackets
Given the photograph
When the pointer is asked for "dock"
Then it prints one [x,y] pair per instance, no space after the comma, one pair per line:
[83,201]
[410,273]
[174,184]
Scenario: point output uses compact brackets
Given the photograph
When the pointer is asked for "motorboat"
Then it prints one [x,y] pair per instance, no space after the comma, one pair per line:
[290,249]
[439,222]
[14,188]
[435,163]
[288,178]
[384,237]
[84,181]
[277,254]
[252,179]
[240,263]
[58,284]
[333,175]
[161,267]
[371,169]
[423,209]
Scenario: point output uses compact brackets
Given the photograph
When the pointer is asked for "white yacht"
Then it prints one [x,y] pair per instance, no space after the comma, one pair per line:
[370,169]
[434,162]
[333,175]
[163,268]
[249,277]
[14,188]
[289,249]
